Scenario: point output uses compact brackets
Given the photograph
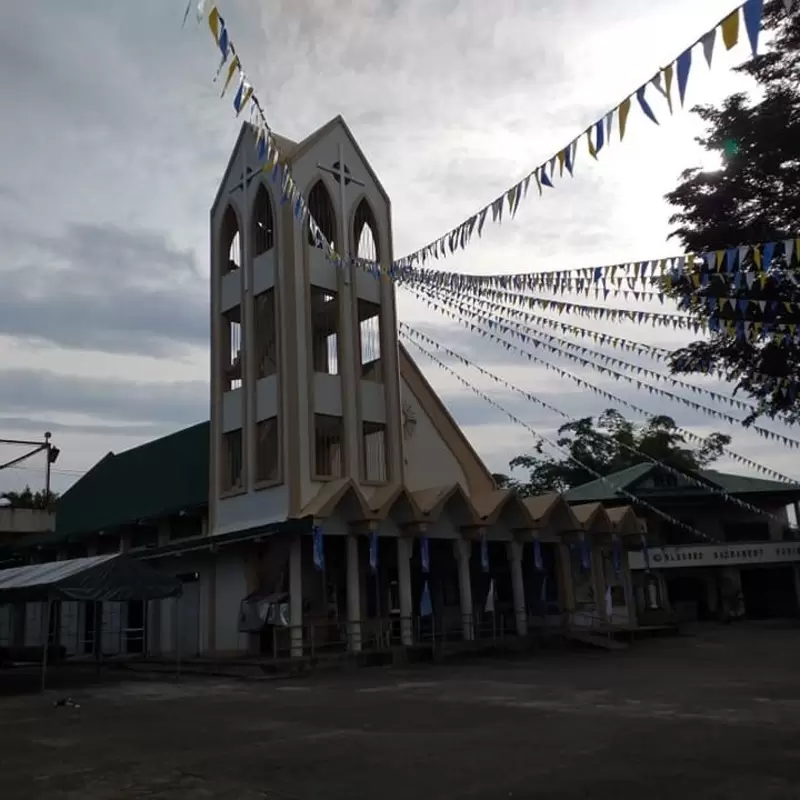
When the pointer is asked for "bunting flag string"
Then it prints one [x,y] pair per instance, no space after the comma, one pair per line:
[628,448]
[634,499]
[474,305]
[750,330]
[777,385]
[612,397]
[753,262]
[598,134]
[268,153]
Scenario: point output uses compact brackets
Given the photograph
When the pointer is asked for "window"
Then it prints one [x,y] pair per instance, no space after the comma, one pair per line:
[755,531]
[324,331]
[328,446]
[365,233]
[369,335]
[263,223]
[232,461]
[232,349]
[373,452]
[320,207]
[231,242]
[266,330]
[267,451]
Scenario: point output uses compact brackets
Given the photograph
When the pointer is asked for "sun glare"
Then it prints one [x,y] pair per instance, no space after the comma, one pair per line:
[711,161]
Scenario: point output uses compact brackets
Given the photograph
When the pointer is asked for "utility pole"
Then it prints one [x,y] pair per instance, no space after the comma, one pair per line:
[50,450]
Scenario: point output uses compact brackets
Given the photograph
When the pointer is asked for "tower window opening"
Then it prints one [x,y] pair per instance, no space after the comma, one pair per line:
[369,334]
[263,223]
[232,349]
[328,446]
[325,330]
[266,334]
[320,207]
[231,254]
[267,451]
[365,233]
[232,461]
[373,452]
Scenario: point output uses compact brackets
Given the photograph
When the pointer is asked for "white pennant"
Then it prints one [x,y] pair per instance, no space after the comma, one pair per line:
[789,243]
[708,45]
[788,4]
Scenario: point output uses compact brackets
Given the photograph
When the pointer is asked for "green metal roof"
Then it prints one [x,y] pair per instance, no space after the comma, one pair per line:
[158,478]
[607,491]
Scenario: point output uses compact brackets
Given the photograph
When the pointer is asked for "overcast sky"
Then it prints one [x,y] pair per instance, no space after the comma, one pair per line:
[114,139]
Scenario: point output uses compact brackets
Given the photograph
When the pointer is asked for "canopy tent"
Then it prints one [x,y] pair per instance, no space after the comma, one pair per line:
[111,578]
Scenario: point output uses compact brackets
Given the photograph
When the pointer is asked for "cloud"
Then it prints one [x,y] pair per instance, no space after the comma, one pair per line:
[42,392]
[100,287]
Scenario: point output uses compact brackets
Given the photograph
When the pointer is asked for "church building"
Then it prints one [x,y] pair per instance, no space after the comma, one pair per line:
[344,507]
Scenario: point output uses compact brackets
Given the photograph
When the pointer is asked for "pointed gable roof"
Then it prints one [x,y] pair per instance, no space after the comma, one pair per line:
[592,517]
[296,152]
[333,495]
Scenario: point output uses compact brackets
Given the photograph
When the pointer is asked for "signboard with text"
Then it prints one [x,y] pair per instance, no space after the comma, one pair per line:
[753,553]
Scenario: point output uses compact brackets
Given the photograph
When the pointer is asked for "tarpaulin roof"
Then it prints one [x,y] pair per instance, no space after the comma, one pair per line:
[111,578]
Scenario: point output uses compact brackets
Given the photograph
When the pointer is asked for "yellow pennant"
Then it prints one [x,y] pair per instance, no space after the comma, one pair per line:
[624,110]
[730,29]
[231,70]
[561,157]
[669,72]
[247,95]
[757,257]
[213,23]
[720,303]
[720,255]
[592,150]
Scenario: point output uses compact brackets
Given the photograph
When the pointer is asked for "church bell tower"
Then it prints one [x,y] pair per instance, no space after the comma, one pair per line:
[304,355]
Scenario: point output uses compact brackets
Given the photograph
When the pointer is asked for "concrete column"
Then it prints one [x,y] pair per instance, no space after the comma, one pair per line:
[599,581]
[565,579]
[353,595]
[518,587]
[404,587]
[124,543]
[627,588]
[296,596]
[796,574]
[461,551]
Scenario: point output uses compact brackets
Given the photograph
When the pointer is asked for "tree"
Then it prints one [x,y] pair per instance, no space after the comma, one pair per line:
[754,199]
[29,499]
[606,445]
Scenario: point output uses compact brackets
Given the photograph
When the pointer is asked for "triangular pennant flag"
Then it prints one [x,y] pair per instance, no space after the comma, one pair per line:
[645,106]
[730,30]
[708,45]
[753,12]
[425,605]
[668,73]
[684,64]
[624,111]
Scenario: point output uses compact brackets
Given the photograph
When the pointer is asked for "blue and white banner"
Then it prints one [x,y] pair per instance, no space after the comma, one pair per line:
[484,554]
[319,549]
[424,555]
[646,554]
[373,552]
[425,606]
[586,556]
[537,555]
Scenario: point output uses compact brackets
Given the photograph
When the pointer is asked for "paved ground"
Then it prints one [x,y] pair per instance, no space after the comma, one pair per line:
[716,715]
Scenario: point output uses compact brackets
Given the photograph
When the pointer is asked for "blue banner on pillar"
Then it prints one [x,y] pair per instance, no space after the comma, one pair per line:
[425,606]
[319,549]
[484,554]
[373,552]
[424,555]
[616,558]
[537,555]
[586,556]
[646,554]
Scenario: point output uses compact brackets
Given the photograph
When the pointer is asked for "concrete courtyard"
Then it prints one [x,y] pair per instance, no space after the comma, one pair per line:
[711,715]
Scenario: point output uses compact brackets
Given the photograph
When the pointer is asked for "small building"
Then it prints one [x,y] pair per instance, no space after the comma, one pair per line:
[747,562]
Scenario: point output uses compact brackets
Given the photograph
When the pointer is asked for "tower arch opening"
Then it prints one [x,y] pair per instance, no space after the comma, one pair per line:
[320,207]
[263,222]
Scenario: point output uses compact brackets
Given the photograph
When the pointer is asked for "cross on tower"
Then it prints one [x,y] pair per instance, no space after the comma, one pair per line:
[341,172]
